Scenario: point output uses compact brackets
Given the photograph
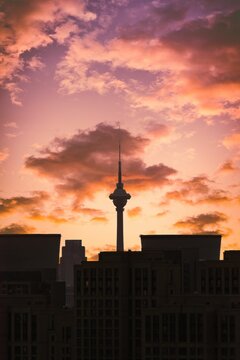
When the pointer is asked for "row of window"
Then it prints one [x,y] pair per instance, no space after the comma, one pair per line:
[171,327]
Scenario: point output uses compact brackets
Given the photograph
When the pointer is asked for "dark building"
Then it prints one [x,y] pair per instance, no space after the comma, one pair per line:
[30,252]
[133,305]
[34,324]
[72,253]
[206,246]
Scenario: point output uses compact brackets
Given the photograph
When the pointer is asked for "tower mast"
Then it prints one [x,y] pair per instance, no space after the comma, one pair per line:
[119,198]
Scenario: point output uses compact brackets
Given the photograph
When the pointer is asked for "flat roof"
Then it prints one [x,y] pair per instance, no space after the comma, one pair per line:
[208,245]
[29,251]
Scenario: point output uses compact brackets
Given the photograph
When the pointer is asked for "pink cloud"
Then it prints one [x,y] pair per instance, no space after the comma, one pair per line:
[12,125]
[195,66]
[86,163]
[27,25]
[4,154]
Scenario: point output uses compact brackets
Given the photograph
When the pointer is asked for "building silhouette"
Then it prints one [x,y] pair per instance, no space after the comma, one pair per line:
[72,253]
[141,305]
[34,324]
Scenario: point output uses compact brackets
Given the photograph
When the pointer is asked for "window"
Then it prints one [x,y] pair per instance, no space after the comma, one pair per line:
[182,327]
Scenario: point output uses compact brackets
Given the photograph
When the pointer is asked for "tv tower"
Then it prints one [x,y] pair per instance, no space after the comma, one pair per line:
[119,198]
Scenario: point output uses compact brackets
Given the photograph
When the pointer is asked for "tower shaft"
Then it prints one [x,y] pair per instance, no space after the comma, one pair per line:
[120,239]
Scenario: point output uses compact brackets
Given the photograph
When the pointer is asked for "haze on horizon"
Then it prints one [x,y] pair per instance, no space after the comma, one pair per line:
[168,71]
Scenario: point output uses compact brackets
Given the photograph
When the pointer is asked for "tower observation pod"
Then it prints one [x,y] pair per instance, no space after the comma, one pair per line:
[120,198]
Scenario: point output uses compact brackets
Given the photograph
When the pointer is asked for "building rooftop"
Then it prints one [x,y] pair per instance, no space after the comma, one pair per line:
[208,245]
[19,252]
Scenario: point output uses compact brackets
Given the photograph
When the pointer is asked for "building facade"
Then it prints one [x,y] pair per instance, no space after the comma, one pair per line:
[73,252]
[34,323]
[159,304]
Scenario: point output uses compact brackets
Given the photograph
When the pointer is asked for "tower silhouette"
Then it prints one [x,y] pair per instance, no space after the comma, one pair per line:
[119,198]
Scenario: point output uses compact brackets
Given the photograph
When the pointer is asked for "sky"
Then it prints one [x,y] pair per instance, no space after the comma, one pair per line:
[167,71]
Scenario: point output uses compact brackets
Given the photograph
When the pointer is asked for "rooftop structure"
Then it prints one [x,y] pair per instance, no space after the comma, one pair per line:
[29,251]
[208,246]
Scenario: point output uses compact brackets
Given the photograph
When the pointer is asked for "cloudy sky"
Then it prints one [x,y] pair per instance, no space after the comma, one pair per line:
[167,70]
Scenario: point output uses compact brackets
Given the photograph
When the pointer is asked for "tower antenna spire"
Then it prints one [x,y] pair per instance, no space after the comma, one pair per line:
[119,155]
[119,197]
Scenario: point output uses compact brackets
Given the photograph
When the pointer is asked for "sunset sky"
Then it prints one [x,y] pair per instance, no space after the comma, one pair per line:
[168,71]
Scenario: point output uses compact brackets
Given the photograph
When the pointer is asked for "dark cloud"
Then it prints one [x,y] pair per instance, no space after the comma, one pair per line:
[23,203]
[205,40]
[212,46]
[198,190]
[203,223]
[228,167]
[231,104]
[87,162]
[17,229]
[157,18]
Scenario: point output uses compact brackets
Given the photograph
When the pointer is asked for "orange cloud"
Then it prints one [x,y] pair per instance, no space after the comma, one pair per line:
[39,216]
[136,211]
[197,191]
[162,213]
[209,223]
[23,203]
[17,229]
[203,223]
[232,141]
[4,154]
[228,167]
[86,211]
[100,219]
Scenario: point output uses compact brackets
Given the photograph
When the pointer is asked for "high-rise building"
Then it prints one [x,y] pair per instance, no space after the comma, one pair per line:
[134,305]
[34,323]
[72,253]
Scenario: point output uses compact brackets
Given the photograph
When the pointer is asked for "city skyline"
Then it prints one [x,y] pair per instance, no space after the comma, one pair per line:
[168,71]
